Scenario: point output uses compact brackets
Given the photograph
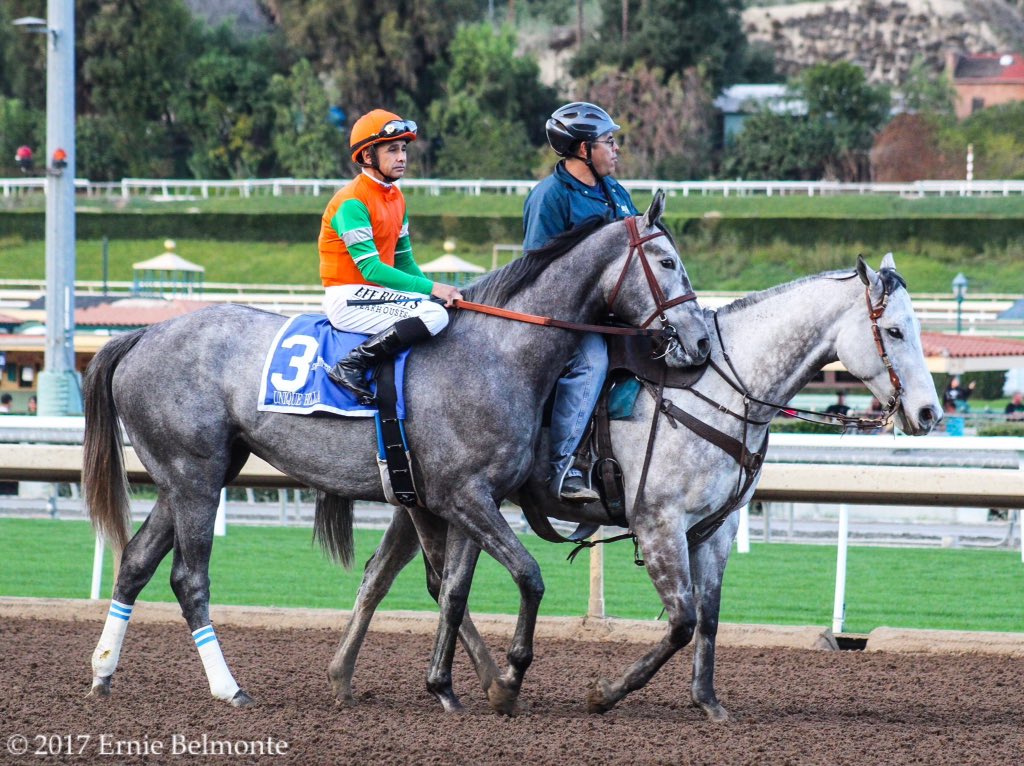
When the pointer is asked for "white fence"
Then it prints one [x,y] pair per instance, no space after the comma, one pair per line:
[985,472]
[186,189]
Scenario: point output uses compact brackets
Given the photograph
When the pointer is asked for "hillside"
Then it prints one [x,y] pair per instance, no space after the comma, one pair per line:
[883,36]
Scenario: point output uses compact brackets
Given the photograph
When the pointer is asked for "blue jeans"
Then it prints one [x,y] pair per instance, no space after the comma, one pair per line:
[576,395]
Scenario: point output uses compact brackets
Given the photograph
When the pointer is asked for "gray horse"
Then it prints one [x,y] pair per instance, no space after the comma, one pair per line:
[186,391]
[776,341]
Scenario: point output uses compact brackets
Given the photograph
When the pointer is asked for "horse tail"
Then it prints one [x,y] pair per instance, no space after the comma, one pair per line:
[105,482]
[332,527]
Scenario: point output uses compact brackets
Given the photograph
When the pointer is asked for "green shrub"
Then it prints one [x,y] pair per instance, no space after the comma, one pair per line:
[1002,429]
[796,426]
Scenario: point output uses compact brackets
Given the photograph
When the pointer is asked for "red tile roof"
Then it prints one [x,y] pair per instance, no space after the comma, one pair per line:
[991,67]
[135,312]
[962,346]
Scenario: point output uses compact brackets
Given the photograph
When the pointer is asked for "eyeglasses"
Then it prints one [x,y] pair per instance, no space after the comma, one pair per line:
[610,142]
[397,127]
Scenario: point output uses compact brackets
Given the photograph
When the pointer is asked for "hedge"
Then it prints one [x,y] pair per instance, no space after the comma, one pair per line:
[483,230]
[240,227]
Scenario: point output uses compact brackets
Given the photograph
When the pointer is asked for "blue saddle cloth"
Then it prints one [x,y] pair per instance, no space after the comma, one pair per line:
[295,372]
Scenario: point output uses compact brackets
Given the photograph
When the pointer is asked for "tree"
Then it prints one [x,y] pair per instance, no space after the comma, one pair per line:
[22,56]
[307,145]
[224,110]
[779,147]
[834,138]
[493,110]
[997,136]
[132,56]
[670,36]
[666,125]
[380,54]
[840,96]
[909,149]
[928,91]
[19,125]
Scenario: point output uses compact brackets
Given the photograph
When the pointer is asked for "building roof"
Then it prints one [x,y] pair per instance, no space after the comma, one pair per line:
[81,301]
[990,67]
[745,98]
[167,262]
[955,354]
[135,312]
[451,264]
[1016,311]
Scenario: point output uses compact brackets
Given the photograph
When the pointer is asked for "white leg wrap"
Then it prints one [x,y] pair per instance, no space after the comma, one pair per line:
[108,650]
[222,683]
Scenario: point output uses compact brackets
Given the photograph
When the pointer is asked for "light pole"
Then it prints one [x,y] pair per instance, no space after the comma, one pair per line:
[959,292]
[59,386]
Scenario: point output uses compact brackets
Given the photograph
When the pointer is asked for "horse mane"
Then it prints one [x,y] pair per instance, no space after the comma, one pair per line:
[498,287]
[891,280]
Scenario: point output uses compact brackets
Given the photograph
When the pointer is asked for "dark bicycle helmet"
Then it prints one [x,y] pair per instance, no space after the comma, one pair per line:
[576,122]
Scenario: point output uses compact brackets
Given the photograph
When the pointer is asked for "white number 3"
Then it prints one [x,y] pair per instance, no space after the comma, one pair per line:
[300,361]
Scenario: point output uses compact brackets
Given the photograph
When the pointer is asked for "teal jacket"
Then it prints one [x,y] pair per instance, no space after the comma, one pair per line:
[560,202]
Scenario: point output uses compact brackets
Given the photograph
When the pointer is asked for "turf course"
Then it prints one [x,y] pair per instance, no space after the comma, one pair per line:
[953,589]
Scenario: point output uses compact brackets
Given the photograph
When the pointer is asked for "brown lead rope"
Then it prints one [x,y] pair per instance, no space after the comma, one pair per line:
[518,316]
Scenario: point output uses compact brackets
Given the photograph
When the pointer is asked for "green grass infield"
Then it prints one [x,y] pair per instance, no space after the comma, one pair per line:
[951,589]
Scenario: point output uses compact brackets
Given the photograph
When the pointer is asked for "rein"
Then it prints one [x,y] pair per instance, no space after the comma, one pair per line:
[661,303]
[749,463]
[861,423]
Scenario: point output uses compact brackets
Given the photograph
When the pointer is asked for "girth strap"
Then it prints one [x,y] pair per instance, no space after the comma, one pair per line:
[541,526]
[393,457]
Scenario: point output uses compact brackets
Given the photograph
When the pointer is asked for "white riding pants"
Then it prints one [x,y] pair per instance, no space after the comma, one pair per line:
[377,317]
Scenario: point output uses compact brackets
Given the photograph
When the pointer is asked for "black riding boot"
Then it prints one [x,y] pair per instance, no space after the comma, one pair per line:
[351,371]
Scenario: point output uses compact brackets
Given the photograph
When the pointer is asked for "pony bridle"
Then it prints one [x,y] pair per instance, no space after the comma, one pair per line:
[661,303]
[875,313]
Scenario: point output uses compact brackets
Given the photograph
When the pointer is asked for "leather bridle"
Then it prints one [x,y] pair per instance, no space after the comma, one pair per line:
[661,303]
[875,313]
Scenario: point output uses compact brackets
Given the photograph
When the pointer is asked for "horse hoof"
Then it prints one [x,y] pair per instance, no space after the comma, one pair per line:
[100,687]
[715,712]
[450,704]
[241,699]
[599,697]
[501,698]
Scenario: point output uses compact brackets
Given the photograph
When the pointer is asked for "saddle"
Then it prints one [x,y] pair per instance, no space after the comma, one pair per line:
[635,359]
[631,359]
[295,381]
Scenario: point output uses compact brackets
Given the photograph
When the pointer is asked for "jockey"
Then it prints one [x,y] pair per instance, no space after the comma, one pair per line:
[581,187]
[366,255]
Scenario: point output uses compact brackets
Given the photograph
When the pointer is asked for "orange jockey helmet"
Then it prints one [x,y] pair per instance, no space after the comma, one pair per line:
[377,127]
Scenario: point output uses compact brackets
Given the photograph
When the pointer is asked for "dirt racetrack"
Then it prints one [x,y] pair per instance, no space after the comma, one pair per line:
[789,706]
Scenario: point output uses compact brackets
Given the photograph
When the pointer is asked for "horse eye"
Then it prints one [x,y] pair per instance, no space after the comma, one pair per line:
[895,332]
[668,263]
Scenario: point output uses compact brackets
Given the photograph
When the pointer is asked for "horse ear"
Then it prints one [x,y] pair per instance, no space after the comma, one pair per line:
[653,214]
[867,276]
[888,262]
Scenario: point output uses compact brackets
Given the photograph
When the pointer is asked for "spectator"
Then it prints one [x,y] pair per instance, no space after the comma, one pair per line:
[840,407]
[956,396]
[33,405]
[954,420]
[5,403]
[1015,409]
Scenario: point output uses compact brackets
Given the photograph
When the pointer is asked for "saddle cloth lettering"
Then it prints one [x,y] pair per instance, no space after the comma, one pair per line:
[295,372]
